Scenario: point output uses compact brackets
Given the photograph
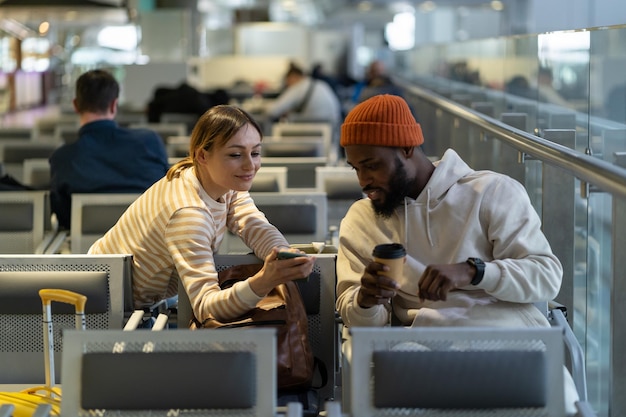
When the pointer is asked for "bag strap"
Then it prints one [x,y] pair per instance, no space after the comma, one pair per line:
[305,100]
[321,367]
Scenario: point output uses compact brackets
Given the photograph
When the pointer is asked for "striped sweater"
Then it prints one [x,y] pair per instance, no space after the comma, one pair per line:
[173,229]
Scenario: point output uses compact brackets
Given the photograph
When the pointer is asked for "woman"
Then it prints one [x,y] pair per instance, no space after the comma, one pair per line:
[176,226]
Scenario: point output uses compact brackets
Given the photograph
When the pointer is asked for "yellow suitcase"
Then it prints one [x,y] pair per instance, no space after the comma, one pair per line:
[26,402]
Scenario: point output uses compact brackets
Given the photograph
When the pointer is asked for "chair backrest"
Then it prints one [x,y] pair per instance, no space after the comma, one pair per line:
[104,279]
[300,170]
[188,119]
[66,133]
[300,216]
[207,373]
[338,182]
[24,219]
[126,117]
[13,153]
[45,126]
[281,147]
[471,370]
[342,189]
[318,294]
[177,146]
[309,225]
[16,132]
[165,130]
[36,173]
[299,130]
[270,179]
[93,215]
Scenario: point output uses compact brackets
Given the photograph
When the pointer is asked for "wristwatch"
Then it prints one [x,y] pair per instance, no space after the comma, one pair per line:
[480,269]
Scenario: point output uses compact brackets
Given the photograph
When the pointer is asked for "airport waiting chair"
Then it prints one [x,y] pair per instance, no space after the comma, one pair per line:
[307,147]
[93,215]
[126,117]
[177,146]
[318,294]
[104,279]
[44,128]
[270,179]
[14,153]
[342,189]
[36,173]
[574,358]
[16,132]
[300,169]
[66,133]
[322,130]
[173,160]
[300,216]
[25,223]
[188,119]
[466,371]
[165,130]
[213,373]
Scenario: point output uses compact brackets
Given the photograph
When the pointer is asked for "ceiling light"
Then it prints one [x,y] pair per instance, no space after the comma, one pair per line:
[497,5]
[43,28]
[427,6]
[365,6]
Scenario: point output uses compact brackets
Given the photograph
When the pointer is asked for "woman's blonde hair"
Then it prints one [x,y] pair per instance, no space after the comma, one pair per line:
[212,131]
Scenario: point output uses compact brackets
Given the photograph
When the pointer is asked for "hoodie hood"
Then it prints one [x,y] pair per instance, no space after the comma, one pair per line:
[449,170]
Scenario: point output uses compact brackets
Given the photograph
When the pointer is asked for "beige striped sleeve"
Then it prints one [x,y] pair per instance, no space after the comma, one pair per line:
[247,221]
[189,237]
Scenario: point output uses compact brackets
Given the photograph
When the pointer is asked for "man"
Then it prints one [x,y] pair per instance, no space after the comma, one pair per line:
[475,251]
[476,255]
[376,82]
[305,97]
[106,158]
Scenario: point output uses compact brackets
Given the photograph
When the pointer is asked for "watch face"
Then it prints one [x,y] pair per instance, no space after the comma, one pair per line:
[476,262]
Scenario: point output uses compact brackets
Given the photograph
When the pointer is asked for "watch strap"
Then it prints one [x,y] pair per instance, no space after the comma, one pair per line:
[480,269]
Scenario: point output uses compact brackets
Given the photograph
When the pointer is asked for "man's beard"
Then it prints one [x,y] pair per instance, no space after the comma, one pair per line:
[398,188]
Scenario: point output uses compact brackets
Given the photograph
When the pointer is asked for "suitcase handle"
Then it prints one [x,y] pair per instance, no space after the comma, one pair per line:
[48,295]
[63,296]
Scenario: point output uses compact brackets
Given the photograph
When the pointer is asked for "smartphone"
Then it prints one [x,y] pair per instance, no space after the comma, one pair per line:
[289,255]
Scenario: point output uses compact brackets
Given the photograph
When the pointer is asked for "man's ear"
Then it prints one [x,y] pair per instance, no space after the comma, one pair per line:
[113,106]
[75,106]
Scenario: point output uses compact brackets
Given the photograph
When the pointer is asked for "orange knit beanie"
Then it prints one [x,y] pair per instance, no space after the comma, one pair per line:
[383,120]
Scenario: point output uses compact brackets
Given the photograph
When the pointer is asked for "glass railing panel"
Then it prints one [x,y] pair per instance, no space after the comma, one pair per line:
[608,94]
[597,316]
[533,183]
[568,83]
[563,73]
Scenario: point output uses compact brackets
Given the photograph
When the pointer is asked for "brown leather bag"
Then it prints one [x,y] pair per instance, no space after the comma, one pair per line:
[283,309]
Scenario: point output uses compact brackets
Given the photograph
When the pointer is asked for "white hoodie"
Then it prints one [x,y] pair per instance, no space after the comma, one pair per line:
[460,213]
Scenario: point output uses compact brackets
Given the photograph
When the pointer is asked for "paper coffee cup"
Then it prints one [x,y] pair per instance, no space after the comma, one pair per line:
[393,255]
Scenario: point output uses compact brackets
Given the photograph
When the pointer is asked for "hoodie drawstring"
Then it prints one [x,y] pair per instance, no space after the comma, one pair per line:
[406,225]
[430,239]
[406,221]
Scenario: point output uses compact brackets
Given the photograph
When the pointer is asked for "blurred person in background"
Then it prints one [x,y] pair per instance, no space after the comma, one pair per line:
[305,98]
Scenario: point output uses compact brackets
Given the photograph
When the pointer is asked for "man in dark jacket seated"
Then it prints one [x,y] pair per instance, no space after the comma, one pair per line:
[106,158]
